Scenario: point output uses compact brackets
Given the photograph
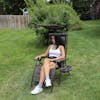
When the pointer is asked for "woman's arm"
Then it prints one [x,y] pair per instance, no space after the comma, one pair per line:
[44,54]
[62,57]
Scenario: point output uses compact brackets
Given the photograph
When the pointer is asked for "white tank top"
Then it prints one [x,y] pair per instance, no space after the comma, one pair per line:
[54,52]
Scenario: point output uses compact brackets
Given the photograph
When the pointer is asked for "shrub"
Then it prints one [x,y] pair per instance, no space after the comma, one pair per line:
[60,14]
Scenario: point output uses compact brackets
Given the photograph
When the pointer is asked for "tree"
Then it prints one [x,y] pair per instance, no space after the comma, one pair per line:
[82,7]
[12,6]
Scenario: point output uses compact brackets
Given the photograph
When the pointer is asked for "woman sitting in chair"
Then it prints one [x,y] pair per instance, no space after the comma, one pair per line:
[55,52]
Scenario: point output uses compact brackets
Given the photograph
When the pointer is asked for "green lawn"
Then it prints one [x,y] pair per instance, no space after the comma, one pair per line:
[17,50]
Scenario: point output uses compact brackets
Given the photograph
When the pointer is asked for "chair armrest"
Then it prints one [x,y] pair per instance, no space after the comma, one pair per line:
[39,59]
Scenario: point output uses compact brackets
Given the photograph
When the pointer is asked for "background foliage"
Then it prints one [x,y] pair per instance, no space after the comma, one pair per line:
[60,14]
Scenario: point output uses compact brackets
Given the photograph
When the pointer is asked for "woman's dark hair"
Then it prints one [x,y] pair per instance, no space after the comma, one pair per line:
[58,40]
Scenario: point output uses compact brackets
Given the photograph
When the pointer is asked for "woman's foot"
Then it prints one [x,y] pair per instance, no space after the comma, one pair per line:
[48,82]
[37,90]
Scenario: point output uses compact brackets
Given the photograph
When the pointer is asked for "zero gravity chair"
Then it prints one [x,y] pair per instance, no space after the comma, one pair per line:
[61,69]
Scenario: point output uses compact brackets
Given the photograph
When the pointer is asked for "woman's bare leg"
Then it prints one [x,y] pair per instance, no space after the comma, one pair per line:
[52,65]
[38,88]
[42,75]
[46,66]
[45,69]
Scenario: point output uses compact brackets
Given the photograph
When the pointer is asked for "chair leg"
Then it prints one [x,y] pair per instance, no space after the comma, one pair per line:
[31,85]
[52,87]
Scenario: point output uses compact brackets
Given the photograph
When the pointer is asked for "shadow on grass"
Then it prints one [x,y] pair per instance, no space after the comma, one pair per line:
[91,29]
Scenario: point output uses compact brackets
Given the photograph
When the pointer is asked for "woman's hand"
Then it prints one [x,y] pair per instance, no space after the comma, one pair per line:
[37,57]
[51,60]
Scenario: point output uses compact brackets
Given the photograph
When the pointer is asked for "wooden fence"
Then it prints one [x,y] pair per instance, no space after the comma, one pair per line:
[14,21]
